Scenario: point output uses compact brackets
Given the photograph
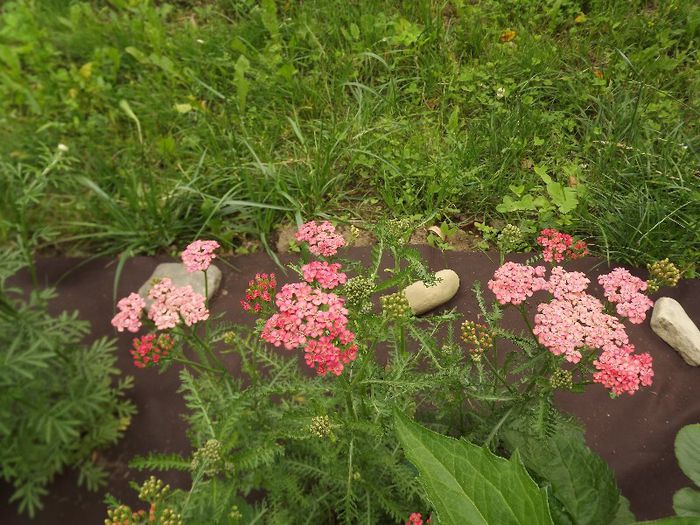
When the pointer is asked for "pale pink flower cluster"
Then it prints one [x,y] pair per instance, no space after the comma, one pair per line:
[129,316]
[565,326]
[513,282]
[566,285]
[314,318]
[198,256]
[171,304]
[624,289]
[321,237]
[620,370]
[327,275]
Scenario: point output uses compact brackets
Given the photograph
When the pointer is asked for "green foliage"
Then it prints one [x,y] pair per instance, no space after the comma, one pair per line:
[467,484]
[579,479]
[59,402]
[686,502]
[247,112]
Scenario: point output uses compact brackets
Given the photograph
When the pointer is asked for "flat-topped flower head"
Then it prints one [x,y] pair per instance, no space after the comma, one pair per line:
[327,275]
[557,246]
[566,285]
[565,326]
[129,316]
[322,238]
[513,283]
[260,290]
[171,305]
[198,255]
[620,370]
[625,290]
[151,349]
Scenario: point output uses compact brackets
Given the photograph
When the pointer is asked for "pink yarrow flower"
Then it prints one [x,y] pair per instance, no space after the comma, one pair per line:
[624,289]
[171,305]
[198,255]
[513,282]
[260,291]
[416,518]
[620,370]
[566,326]
[566,285]
[314,319]
[327,275]
[557,246]
[322,238]
[129,316]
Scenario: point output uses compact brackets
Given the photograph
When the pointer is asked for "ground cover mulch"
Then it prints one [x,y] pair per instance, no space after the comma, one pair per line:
[634,434]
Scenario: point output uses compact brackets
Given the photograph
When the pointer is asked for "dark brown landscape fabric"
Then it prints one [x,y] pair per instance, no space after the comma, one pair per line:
[634,434]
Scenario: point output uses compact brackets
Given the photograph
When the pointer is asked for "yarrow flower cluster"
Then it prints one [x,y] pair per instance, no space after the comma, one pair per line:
[566,285]
[662,273]
[559,246]
[327,275]
[172,304]
[478,336]
[620,370]
[416,518]
[513,283]
[321,426]
[322,238]
[260,290]
[198,255]
[129,316]
[150,349]
[625,290]
[566,326]
[314,319]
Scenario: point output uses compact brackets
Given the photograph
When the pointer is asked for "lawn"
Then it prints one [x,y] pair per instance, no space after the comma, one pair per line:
[230,117]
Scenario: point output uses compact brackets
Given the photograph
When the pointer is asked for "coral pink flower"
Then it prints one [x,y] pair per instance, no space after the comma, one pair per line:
[198,255]
[513,282]
[314,319]
[172,304]
[624,289]
[322,238]
[129,316]
[415,518]
[150,349]
[557,246]
[565,326]
[260,290]
[620,370]
[327,275]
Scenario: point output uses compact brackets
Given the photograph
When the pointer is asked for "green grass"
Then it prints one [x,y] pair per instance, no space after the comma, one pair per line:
[223,118]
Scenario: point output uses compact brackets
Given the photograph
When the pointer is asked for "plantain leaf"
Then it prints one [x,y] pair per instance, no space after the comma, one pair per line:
[687,447]
[686,502]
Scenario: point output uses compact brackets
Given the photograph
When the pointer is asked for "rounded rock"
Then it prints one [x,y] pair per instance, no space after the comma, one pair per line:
[422,298]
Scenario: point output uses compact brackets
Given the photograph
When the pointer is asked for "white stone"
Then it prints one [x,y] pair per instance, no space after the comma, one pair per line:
[670,322]
[181,277]
[422,298]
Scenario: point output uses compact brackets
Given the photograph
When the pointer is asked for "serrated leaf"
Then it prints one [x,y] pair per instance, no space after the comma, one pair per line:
[624,515]
[686,502]
[580,479]
[687,446]
[468,484]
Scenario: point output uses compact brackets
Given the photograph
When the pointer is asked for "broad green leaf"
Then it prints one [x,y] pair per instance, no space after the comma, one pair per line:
[269,18]
[453,121]
[468,484]
[686,502]
[688,451]
[580,479]
[624,515]
[542,172]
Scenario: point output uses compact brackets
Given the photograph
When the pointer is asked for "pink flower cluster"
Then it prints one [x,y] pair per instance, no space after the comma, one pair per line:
[322,238]
[558,246]
[416,518]
[172,304]
[314,318]
[624,289]
[566,285]
[150,349]
[129,316]
[513,282]
[260,290]
[198,255]
[620,370]
[564,326]
[327,275]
